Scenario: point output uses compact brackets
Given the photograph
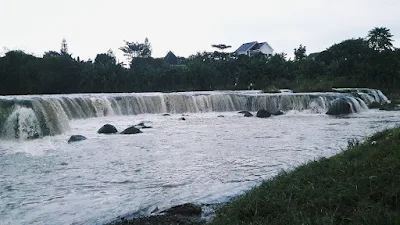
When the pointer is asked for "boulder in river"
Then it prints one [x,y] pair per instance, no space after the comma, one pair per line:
[166,114]
[277,113]
[390,107]
[131,130]
[246,113]
[182,118]
[263,113]
[107,129]
[187,209]
[375,105]
[221,116]
[339,106]
[142,126]
[75,138]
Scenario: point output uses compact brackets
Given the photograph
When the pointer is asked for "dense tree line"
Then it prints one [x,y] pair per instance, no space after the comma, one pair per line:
[363,62]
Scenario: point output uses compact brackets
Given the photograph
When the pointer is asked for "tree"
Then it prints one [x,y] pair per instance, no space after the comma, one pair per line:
[300,53]
[379,39]
[136,49]
[51,54]
[221,46]
[64,47]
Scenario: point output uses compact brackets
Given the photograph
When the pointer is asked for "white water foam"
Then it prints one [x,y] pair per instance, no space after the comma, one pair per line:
[205,159]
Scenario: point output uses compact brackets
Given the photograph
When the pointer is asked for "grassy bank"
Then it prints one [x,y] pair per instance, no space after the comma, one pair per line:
[359,186]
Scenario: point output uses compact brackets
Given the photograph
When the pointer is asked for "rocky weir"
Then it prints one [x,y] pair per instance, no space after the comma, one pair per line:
[35,116]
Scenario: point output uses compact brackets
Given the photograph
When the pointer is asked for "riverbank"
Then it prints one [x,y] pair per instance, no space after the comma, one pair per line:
[358,186]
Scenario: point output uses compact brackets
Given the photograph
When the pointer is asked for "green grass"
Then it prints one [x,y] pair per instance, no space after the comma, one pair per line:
[361,185]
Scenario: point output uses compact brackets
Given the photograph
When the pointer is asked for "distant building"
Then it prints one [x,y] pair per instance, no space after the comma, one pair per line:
[254,47]
[171,58]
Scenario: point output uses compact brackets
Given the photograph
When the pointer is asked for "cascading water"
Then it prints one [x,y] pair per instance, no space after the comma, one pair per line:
[23,124]
[52,113]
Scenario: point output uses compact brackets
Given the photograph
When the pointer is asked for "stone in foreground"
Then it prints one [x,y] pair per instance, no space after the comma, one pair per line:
[246,113]
[107,129]
[187,209]
[131,130]
[263,113]
[339,106]
[75,138]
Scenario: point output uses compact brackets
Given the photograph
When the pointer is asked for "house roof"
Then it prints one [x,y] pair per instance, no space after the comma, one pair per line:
[171,58]
[264,43]
[246,46]
[252,46]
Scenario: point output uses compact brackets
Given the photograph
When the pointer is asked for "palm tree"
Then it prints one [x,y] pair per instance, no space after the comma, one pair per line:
[379,39]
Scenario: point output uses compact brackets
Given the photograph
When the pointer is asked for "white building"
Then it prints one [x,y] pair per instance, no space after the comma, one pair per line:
[254,47]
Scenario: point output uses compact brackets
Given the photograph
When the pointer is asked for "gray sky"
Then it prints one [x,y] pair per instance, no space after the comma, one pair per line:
[186,27]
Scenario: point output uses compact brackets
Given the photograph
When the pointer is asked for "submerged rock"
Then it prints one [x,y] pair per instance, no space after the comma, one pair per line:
[339,106]
[263,113]
[107,129]
[75,138]
[390,107]
[246,113]
[277,113]
[142,126]
[187,209]
[375,105]
[220,116]
[131,130]
[166,114]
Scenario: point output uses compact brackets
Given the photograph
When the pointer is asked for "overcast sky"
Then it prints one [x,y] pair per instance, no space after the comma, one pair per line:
[186,27]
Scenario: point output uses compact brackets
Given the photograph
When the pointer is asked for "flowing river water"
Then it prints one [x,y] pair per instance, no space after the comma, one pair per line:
[205,159]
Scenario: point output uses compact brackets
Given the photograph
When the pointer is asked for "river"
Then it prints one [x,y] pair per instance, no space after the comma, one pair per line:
[205,159]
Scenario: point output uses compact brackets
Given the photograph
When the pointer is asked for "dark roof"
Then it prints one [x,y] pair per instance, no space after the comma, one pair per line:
[246,46]
[171,58]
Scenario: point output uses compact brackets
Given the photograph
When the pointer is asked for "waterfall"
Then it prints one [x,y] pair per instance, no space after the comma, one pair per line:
[22,123]
[33,116]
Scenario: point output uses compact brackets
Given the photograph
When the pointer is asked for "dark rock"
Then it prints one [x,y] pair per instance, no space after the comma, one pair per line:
[220,116]
[243,111]
[248,114]
[390,107]
[187,209]
[166,114]
[277,113]
[33,136]
[339,106]
[131,130]
[142,126]
[182,118]
[375,105]
[263,113]
[161,220]
[107,129]
[75,138]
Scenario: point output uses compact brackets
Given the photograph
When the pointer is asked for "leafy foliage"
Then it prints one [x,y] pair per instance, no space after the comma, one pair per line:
[221,46]
[379,39]
[350,63]
[300,53]
[136,49]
